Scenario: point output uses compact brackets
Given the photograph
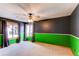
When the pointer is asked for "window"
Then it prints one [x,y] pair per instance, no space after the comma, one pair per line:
[29,30]
[12,30]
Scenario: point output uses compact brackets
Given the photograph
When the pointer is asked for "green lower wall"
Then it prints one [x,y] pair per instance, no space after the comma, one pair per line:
[60,39]
[1,39]
[74,45]
[57,39]
[29,38]
[12,41]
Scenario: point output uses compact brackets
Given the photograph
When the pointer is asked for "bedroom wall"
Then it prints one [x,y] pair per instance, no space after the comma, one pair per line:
[57,25]
[52,31]
[75,22]
[75,31]
[0,27]
[1,35]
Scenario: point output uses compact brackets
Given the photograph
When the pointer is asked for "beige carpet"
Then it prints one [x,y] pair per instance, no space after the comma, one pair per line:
[35,49]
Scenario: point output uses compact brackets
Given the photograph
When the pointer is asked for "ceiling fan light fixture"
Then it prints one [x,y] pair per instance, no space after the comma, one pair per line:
[30,17]
[30,21]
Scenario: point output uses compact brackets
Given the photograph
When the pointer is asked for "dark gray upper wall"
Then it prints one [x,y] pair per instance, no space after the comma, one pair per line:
[0,27]
[75,22]
[56,25]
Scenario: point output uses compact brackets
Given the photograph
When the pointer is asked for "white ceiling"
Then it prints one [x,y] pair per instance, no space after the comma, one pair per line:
[19,11]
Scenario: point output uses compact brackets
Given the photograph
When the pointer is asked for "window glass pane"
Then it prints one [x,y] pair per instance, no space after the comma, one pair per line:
[9,30]
[12,30]
[15,30]
[29,30]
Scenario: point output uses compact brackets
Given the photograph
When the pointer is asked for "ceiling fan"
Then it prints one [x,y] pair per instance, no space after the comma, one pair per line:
[29,16]
[32,17]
